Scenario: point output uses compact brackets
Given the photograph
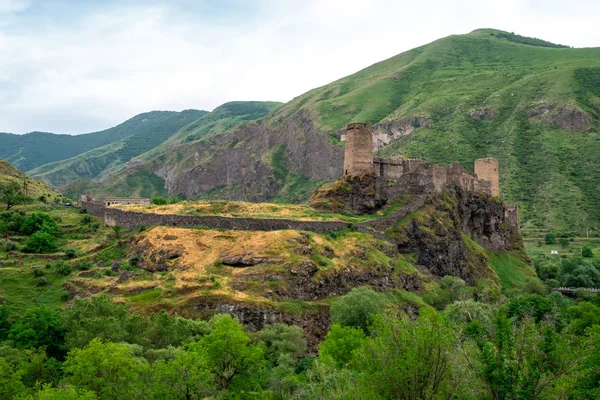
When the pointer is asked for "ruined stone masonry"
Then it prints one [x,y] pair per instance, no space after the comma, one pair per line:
[410,176]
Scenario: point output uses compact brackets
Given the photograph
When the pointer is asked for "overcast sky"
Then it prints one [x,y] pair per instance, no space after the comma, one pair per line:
[75,66]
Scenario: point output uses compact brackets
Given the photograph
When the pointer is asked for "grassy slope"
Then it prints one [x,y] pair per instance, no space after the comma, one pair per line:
[35,188]
[141,181]
[97,161]
[34,149]
[552,173]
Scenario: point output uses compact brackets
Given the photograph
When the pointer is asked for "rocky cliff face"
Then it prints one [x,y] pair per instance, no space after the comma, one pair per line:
[252,163]
[450,233]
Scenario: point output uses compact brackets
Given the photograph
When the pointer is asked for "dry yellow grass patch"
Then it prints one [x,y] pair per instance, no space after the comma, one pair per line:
[203,248]
[233,209]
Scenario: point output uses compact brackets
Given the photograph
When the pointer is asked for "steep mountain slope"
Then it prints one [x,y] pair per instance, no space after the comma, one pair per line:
[33,188]
[533,105]
[34,149]
[136,177]
[92,163]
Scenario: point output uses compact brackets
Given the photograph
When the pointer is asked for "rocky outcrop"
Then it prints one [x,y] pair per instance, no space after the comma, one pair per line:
[573,119]
[449,234]
[357,194]
[303,281]
[569,117]
[386,132]
[237,162]
[483,114]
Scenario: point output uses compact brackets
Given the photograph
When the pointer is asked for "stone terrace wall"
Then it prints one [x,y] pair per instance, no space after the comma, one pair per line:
[131,219]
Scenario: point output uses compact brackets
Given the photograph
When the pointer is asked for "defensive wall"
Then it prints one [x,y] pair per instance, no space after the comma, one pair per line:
[131,219]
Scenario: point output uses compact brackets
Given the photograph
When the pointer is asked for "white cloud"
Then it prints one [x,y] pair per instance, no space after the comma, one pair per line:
[102,66]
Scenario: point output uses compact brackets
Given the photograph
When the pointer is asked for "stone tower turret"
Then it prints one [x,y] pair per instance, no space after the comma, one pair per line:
[358,154]
[486,169]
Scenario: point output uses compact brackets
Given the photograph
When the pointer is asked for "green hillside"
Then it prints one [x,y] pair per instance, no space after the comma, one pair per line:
[33,188]
[122,180]
[92,163]
[532,104]
[34,149]
[221,119]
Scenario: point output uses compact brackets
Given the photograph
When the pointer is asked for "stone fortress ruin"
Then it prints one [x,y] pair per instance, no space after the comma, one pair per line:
[398,176]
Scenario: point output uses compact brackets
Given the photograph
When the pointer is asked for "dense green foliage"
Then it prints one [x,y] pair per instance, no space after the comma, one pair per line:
[533,347]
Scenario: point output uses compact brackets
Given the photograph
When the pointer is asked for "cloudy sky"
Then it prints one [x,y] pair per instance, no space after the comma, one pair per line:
[74,66]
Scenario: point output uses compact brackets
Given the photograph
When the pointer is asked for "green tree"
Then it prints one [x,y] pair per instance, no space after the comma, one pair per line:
[340,344]
[550,238]
[164,331]
[39,327]
[40,242]
[98,317]
[462,313]
[523,360]
[117,229]
[357,308]
[408,360]
[67,392]
[185,377]
[282,340]
[531,305]
[39,222]
[235,362]
[108,369]
[36,368]
[587,385]
[564,242]
[10,381]
[11,195]
[583,316]
[4,322]
[587,252]
[159,201]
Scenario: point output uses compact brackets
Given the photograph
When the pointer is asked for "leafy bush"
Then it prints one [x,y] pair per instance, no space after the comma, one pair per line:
[159,201]
[40,242]
[41,282]
[37,272]
[37,222]
[550,238]
[62,268]
[357,308]
[86,219]
[71,253]
[66,295]
[564,242]
[587,252]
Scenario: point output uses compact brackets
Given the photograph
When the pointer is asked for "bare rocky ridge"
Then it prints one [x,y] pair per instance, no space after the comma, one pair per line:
[237,159]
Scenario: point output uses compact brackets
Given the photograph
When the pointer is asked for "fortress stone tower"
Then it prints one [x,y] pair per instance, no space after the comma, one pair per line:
[358,155]
[486,169]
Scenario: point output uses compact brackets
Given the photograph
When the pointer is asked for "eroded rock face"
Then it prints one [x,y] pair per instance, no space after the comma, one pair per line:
[357,194]
[314,322]
[483,114]
[153,259]
[386,132]
[237,159]
[569,117]
[246,260]
[573,119]
[444,232]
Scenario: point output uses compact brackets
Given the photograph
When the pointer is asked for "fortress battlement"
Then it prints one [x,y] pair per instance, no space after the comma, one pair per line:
[412,176]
